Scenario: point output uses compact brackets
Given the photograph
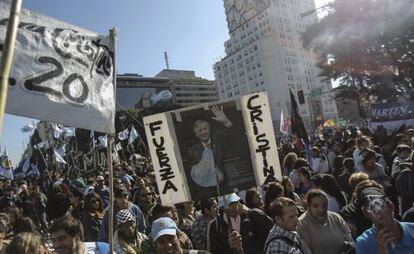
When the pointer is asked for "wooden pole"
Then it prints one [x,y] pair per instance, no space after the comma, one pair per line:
[7,55]
[112,34]
[111,195]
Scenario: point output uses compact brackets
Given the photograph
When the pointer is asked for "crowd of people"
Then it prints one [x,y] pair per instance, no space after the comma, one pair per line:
[353,192]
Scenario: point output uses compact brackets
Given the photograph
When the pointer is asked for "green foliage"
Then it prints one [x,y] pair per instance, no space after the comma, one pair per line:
[371,43]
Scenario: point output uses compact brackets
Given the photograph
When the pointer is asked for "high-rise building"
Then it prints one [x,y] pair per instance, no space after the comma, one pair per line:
[265,53]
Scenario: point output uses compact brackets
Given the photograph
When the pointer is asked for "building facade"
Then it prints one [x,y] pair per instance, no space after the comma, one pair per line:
[190,90]
[166,88]
[134,91]
[265,53]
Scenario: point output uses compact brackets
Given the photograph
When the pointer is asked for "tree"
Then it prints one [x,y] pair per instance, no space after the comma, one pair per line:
[367,44]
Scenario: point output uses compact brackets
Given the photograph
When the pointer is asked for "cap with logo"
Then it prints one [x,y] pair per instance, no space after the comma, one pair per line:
[163,226]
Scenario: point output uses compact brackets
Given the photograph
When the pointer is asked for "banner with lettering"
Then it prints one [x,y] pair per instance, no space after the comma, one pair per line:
[213,149]
[392,115]
[165,159]
[262,139]
[61,73]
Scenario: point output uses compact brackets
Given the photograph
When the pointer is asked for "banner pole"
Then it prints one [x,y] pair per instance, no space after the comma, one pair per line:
[112,34]
[7,55]
[111,191]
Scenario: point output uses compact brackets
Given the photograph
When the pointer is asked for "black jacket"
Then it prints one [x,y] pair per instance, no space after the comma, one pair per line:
[254,229]
[91,225]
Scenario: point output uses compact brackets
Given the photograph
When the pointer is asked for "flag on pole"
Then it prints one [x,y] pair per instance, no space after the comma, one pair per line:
[297,125]
[118,146]
[61,73]
[284,123]
[123,134]
[70,131]
[57,130]
[6,169]
[103,140]
[59,158]
[133,135]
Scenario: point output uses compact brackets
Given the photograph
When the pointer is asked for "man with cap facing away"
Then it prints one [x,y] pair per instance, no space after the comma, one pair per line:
[250,229]
[121,202]
[164,234]
[127,239]
[387,235]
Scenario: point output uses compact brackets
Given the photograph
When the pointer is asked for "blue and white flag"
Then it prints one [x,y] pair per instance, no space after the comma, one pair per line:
[133,135]
[123,134]
[103,140]
[59,158]
[57,130]
[6,170]
[118,146]
[70,131]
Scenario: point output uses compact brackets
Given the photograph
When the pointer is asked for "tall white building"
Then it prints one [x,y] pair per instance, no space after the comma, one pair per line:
[265,53]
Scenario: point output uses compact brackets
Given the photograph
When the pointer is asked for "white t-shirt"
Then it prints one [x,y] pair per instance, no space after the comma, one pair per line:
[89,247]
[205,173]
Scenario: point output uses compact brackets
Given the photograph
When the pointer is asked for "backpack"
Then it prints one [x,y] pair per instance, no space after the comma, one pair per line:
[405,182]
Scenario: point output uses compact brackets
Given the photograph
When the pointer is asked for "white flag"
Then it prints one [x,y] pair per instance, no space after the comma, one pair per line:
[284,124]
[70,131]
[118,146]
[103,140]
[61,73]
[59,158]
[123,134]
[133,135]
[57,130]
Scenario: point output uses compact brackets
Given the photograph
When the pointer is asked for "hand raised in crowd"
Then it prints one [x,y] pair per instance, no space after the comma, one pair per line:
[382,238]
[219,116]
[243,209]
[235,242]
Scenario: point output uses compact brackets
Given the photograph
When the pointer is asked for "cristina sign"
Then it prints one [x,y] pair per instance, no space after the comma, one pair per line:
[213,149]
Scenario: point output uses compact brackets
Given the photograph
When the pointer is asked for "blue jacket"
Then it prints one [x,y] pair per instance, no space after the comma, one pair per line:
[133,209]
[365,243]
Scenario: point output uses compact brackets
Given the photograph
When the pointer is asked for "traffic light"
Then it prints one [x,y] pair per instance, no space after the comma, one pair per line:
[301,97]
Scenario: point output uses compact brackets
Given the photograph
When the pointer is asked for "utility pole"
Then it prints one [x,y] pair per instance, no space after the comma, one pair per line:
[166,60]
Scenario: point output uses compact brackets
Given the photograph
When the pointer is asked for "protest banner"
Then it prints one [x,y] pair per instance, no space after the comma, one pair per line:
[392,115]
[258,121]
[163,151]
[213,149]
[60,73]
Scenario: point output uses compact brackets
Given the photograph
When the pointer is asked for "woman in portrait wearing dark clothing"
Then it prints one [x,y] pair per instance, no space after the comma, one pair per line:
[92,216]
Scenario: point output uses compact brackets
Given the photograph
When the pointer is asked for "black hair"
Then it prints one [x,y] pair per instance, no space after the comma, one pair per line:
[68,224]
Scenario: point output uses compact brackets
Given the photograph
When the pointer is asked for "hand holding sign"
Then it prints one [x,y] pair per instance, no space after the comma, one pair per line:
[219,116]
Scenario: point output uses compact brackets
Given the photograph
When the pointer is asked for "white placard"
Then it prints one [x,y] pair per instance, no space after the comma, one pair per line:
[171,181]
[262,142]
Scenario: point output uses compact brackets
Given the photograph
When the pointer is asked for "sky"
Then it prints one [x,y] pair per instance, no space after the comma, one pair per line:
[193,33]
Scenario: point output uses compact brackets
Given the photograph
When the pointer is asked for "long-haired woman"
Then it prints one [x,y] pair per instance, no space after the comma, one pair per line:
[92,216]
